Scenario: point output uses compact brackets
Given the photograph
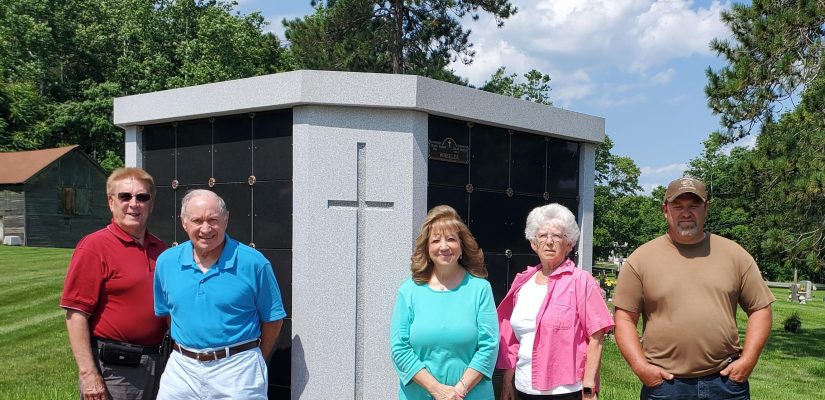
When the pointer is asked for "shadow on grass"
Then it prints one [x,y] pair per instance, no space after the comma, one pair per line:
[805,344]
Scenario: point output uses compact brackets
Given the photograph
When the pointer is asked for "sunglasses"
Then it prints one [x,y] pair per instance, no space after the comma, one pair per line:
[141,197]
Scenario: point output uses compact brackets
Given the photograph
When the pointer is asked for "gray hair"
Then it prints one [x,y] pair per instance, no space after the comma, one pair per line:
[202,193]
[555,215]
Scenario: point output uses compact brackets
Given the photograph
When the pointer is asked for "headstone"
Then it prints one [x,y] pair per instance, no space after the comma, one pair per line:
[808,287]
[344,178]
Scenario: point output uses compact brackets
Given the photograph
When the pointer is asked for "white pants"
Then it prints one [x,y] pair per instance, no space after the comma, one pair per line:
[240,376]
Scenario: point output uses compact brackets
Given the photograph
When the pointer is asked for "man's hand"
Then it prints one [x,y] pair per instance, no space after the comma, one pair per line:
[651,375]
[739,370]
[92,386]
[508,391]
[756,335]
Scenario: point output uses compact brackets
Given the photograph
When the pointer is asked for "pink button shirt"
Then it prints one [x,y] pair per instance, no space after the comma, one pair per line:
[572,311]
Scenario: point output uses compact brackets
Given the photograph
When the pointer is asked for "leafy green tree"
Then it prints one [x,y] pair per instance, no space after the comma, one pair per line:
[773,86]
[62,63]
[398,36]
[623,219]
[777,48]
[536,88]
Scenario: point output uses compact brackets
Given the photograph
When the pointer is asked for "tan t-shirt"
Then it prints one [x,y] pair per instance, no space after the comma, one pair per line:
[687,296]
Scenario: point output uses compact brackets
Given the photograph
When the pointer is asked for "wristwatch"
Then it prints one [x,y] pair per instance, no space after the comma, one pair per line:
[587,390]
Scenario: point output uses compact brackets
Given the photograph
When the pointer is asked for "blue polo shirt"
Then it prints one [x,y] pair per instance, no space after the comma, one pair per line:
[223,306]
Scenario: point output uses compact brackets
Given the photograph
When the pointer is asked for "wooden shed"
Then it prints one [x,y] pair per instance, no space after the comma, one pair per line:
[51,197]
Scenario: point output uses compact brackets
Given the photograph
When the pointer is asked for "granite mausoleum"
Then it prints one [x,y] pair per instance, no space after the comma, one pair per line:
[329,175]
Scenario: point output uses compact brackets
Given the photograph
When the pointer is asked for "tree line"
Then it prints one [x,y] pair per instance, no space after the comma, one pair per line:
[62,63]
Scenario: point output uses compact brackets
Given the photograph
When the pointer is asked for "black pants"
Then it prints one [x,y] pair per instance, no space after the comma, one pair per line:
[566,396]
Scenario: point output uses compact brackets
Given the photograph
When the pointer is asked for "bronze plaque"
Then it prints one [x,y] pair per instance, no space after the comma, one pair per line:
[450,151]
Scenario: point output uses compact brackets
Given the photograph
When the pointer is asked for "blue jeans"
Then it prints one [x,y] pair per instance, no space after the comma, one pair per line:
[710,387]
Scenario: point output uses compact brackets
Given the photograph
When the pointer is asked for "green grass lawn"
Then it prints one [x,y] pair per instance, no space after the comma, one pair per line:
[36,362]
[792,366]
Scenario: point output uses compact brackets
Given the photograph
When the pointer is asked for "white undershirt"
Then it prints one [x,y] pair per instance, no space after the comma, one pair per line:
[523,322]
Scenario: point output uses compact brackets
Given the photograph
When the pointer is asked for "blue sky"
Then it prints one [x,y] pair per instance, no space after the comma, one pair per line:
[640,64]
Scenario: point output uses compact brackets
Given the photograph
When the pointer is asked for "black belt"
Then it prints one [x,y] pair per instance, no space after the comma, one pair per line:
[217,354]
[134,347]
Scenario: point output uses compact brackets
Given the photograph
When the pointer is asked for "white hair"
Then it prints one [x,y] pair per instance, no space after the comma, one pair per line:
[555,215]
[222,211]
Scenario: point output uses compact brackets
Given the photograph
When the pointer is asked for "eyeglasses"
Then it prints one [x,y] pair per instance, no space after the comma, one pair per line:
[544,238]
[141,197]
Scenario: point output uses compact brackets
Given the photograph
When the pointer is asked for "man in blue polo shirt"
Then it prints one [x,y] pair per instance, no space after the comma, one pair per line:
[225,308]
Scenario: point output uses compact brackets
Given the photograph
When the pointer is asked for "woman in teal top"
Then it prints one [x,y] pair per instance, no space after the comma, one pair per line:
[444,331]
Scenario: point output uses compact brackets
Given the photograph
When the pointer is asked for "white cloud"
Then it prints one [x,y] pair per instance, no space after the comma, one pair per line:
[275,26]
[748,142]
[663,170]
[562,37]
[609,100]
[647,188]
[663,77]
[489,57]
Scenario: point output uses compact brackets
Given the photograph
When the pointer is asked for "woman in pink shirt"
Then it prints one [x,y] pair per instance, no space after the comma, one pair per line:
[553,320]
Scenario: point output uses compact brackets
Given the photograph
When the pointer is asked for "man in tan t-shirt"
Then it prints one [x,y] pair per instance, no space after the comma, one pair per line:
[686,285]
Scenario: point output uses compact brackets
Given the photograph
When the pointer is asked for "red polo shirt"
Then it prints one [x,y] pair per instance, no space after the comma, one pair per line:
[110,278]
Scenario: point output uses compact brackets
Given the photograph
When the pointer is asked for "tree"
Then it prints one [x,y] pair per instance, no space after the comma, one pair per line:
[398,36]
[777,49]
[535,89]
[61,63]
[774,61]
[622,218]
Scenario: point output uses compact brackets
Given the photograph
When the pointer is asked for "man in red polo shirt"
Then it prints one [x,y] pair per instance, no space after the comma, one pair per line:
[113,330]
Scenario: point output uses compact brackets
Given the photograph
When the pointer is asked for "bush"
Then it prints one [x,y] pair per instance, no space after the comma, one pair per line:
[793,324]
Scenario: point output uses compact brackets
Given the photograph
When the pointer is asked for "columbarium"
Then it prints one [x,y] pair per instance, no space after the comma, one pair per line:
[329,175]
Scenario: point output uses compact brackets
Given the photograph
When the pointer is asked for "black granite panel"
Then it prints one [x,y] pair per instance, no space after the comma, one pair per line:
[455,197]
[238,199]
[273,145]
[519,206]
[159,153]
[571,203]
[281,261]
[276,392]
[563,170]
[519,263]
[273,214]
[497,274]
[528,164]
[443,172]
[180,234]
[279,363]
[163,220]
[194,152]
[488,220]
[489,158]
[233,148]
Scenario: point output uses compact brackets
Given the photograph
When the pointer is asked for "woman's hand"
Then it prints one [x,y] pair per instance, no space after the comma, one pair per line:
[591,396]
[444,392]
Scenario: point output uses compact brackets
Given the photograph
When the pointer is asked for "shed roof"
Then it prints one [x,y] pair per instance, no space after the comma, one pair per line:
[19,166]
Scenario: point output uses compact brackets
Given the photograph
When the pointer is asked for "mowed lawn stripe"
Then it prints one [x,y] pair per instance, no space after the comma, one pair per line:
[29,321]
[37,361]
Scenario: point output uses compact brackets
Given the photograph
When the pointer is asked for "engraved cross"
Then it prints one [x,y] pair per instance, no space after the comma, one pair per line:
[361,205]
